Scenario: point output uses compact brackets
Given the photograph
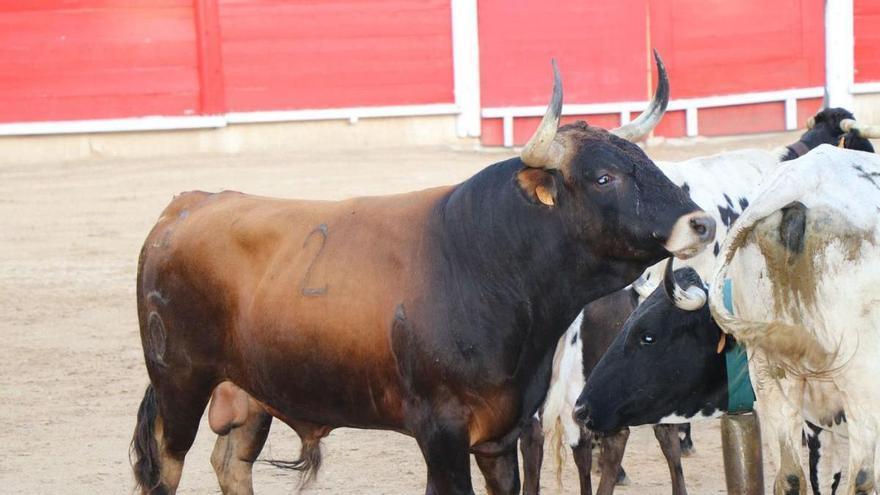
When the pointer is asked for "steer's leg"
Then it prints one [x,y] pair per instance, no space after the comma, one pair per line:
[670,444]
[786,421]
[445,446]
[687,442]
[862,445]
[237,448]
[501,472]
[583,459]
[613,447]
[532,446]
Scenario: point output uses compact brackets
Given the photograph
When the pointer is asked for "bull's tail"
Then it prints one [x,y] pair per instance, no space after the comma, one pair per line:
[144,452]
[309,461]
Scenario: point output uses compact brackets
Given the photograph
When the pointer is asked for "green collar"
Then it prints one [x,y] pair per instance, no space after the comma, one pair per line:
[740,394]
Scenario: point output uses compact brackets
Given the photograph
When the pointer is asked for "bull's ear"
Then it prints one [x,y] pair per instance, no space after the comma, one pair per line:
[538,184]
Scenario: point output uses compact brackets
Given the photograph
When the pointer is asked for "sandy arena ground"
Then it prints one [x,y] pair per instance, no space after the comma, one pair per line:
[71,366]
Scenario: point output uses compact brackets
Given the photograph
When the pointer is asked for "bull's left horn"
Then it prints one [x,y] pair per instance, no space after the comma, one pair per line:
[542,150]
[690,299]
[863,130]
[648,120]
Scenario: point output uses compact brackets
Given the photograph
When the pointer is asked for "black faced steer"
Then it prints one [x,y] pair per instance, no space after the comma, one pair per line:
[668,364]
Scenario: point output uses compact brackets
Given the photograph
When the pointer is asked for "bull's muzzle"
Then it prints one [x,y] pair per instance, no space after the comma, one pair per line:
[690,234]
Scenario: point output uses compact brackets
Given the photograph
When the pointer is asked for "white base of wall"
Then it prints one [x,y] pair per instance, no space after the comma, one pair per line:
[250,138]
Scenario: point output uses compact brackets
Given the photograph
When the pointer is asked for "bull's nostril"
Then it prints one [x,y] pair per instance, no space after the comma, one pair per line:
[704,227]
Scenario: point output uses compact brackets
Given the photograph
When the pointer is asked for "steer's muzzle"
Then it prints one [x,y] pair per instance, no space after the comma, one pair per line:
[690,234]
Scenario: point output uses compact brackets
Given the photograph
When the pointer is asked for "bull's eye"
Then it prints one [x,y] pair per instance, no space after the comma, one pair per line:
[648,339]
[604,180]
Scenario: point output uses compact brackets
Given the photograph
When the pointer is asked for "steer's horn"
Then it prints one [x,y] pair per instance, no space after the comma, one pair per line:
[542,150]
[863,130]
[643,286]
[690,299]
[645,123]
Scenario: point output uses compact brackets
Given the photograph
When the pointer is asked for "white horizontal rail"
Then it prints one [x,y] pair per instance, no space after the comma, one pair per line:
[158,123]
[690,105]
[111,125]
[865,88]
[351,114]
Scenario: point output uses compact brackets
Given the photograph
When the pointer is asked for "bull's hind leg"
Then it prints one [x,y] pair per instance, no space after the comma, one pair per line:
[167,422]
[500,471]
[242,426]
[445,445]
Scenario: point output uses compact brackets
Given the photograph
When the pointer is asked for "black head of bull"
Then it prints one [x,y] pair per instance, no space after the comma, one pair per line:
[606,190]
[666,361]
[834,126]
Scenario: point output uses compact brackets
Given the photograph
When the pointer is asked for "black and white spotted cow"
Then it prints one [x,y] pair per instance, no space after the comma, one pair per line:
[722,185]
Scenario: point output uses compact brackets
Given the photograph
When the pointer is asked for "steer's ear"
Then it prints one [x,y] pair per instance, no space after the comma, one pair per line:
[538,184]
[721,343]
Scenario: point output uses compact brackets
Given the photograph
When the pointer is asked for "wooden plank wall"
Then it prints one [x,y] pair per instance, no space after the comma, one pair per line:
[90,59]
[336,53]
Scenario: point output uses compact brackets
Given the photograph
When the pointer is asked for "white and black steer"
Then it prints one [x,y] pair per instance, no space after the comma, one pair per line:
[722,185]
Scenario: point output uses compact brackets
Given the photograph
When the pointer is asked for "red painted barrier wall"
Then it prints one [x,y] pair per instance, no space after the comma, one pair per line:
[600,48]
[335,53]
[716,48]
[710,48]
[89,59]
[866,24]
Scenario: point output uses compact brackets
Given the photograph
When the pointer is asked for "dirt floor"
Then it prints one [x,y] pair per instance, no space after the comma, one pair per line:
[71,366]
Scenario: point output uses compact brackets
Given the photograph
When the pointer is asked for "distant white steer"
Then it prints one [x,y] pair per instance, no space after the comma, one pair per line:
[804,261]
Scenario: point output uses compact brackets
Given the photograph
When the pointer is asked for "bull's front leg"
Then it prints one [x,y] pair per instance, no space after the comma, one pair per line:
[442,434]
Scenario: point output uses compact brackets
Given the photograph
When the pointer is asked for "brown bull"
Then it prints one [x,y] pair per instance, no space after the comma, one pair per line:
[433,313]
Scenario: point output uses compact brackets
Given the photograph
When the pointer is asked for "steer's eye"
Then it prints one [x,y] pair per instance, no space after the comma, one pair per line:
[604,180]
[648,339]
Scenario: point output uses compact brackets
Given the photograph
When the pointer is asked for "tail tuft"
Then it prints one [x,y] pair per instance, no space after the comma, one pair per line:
[144,451]
[308,464]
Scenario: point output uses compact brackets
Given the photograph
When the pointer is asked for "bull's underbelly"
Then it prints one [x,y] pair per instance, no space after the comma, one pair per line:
[320,376]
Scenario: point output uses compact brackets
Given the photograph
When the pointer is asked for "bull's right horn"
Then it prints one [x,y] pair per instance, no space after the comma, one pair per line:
[690,299]
[643,286]
[542,150]
[648,120]
[863,130]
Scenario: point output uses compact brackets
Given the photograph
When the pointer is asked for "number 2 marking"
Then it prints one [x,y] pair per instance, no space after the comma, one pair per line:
[304,286]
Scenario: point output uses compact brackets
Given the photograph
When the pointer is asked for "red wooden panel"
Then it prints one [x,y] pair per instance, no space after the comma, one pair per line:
[492,132]
[85,59]
[600,47]
[336,53]
[867,34]
[727,47]
[674,124]
[806,109]
[742,119]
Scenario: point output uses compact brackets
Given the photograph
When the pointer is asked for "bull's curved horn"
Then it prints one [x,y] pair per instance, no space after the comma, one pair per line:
[690,299]
[643,286]
[542,150]
[863,130]
[645,123]
[811,122]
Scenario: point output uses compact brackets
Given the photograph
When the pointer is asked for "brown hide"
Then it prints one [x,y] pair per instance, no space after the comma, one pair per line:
[291,300]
